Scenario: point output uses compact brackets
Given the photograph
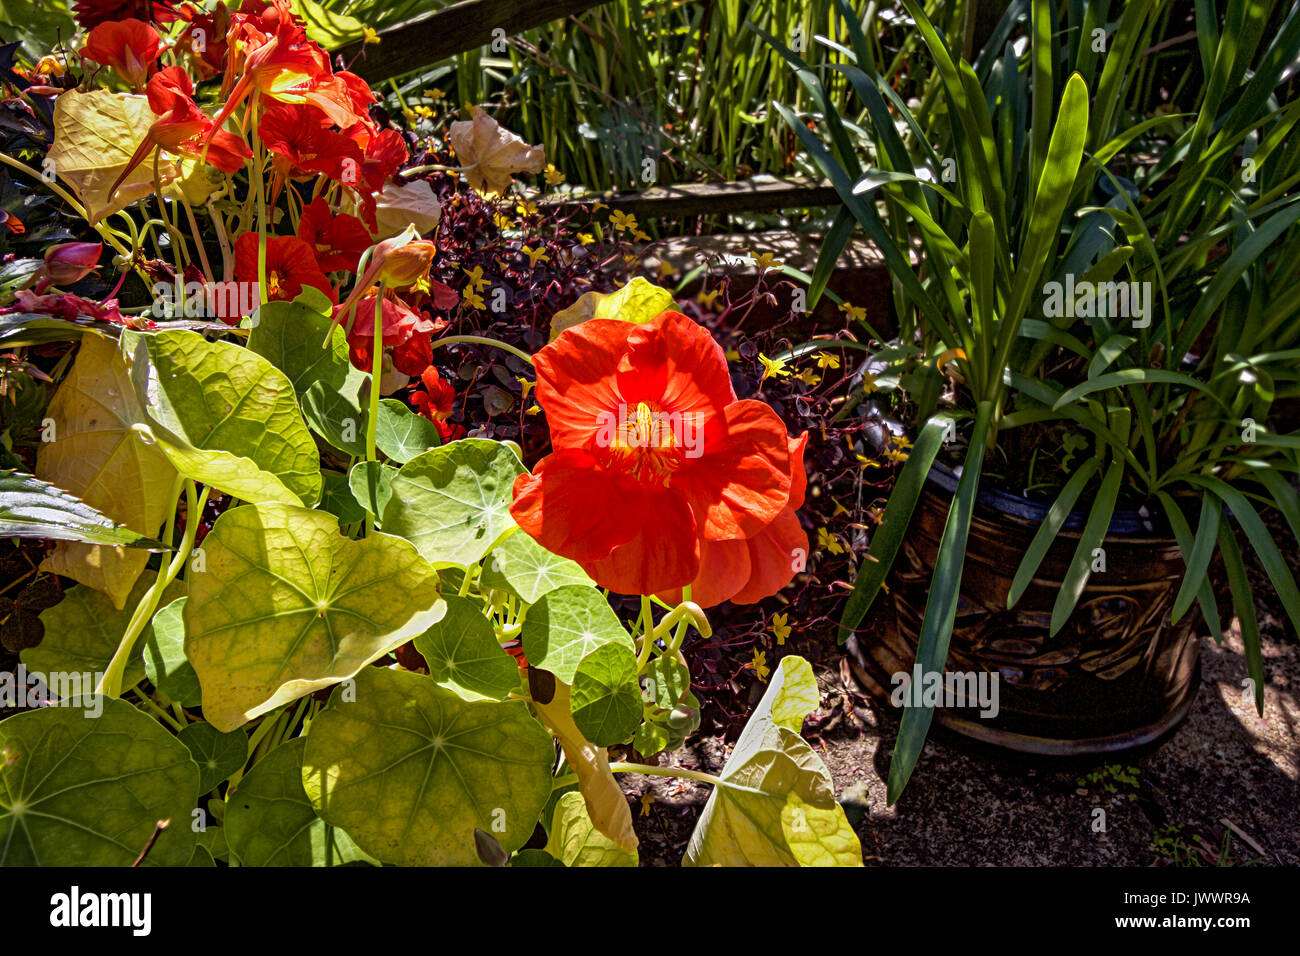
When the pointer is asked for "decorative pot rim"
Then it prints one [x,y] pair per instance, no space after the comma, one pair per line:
[1124,522]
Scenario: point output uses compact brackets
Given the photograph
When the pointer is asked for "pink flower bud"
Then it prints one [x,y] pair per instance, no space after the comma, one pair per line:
[69,262]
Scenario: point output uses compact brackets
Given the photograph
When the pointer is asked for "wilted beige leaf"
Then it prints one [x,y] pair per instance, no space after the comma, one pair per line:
[606,804]
[399,206]
[95,135]
[493,151]
[97,456]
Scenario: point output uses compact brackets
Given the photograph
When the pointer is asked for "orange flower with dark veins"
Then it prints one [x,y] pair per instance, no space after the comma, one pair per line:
[655,461]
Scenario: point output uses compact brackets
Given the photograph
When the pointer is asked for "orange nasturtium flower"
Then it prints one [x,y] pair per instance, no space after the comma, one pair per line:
[655,463]
[129,46]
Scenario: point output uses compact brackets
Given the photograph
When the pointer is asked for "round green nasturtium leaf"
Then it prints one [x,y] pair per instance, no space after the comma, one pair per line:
[290,334]
[213,838]
[218,755]
[527,570]
[287,605]
[401,434]
[83,630]
[575,841]
[566,625]
[336,497]
[224,416]
[270,821]
[454,502]
[462,649]
[164,657]
[77,790]
[339,420]
[201,857]
[606,698]
[665,683]
[650,738]
[371,485]
[409,769]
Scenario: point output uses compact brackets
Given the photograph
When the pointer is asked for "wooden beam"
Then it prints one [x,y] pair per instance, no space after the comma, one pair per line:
[692,199]
[426,39]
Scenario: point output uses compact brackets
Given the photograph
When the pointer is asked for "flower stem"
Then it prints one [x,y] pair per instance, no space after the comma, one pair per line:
[110,683]
[372,419]
[647,633]
[482,340]
[655,771]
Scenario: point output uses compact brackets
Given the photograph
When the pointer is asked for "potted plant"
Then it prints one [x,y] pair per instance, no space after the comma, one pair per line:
[1120,359]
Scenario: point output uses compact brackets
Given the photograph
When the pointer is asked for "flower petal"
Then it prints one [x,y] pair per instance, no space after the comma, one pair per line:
[724,570]
[576,379]
[574,509]
[664,552]
[741,480]
[774,554]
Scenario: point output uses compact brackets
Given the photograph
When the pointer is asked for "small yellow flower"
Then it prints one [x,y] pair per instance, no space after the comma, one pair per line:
[647,800]
[839,510]
[826,360]
[369,36]
[759,664]
[476,278]
[473,299]
[708,298]
[869,384]
[809,377]
[640,236]
[423,112]
[586,238]
[536,255]
[502,221]
[553,176]
[526,385]
[621,220]
[866,462]
[773,367]
[766,261]
[534,410]
[780,627]
[421,284]
[828,542]
[597,206]
[434,94]
[852,311]
[526,207]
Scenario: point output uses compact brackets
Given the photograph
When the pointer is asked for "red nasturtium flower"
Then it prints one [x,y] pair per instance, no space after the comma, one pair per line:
[290,265]
[129,46]
[337,238]
[181,126]
[654,460]
[434,401]
[405,330]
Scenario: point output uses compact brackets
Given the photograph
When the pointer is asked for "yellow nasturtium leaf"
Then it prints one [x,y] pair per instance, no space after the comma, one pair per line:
[95,135]
[286,606]
[95,453]
[639,301]
[575,841]
[775,804]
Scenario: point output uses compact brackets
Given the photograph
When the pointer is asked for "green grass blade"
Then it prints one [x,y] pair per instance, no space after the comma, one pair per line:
[1047,531]
[1094,533]
[1198,561]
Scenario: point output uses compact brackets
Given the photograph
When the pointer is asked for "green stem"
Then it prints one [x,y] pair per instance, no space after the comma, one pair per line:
[372,420]
[647,633]
[654,771]
[111,683]
[482,340]
[67,197]
[158,711]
